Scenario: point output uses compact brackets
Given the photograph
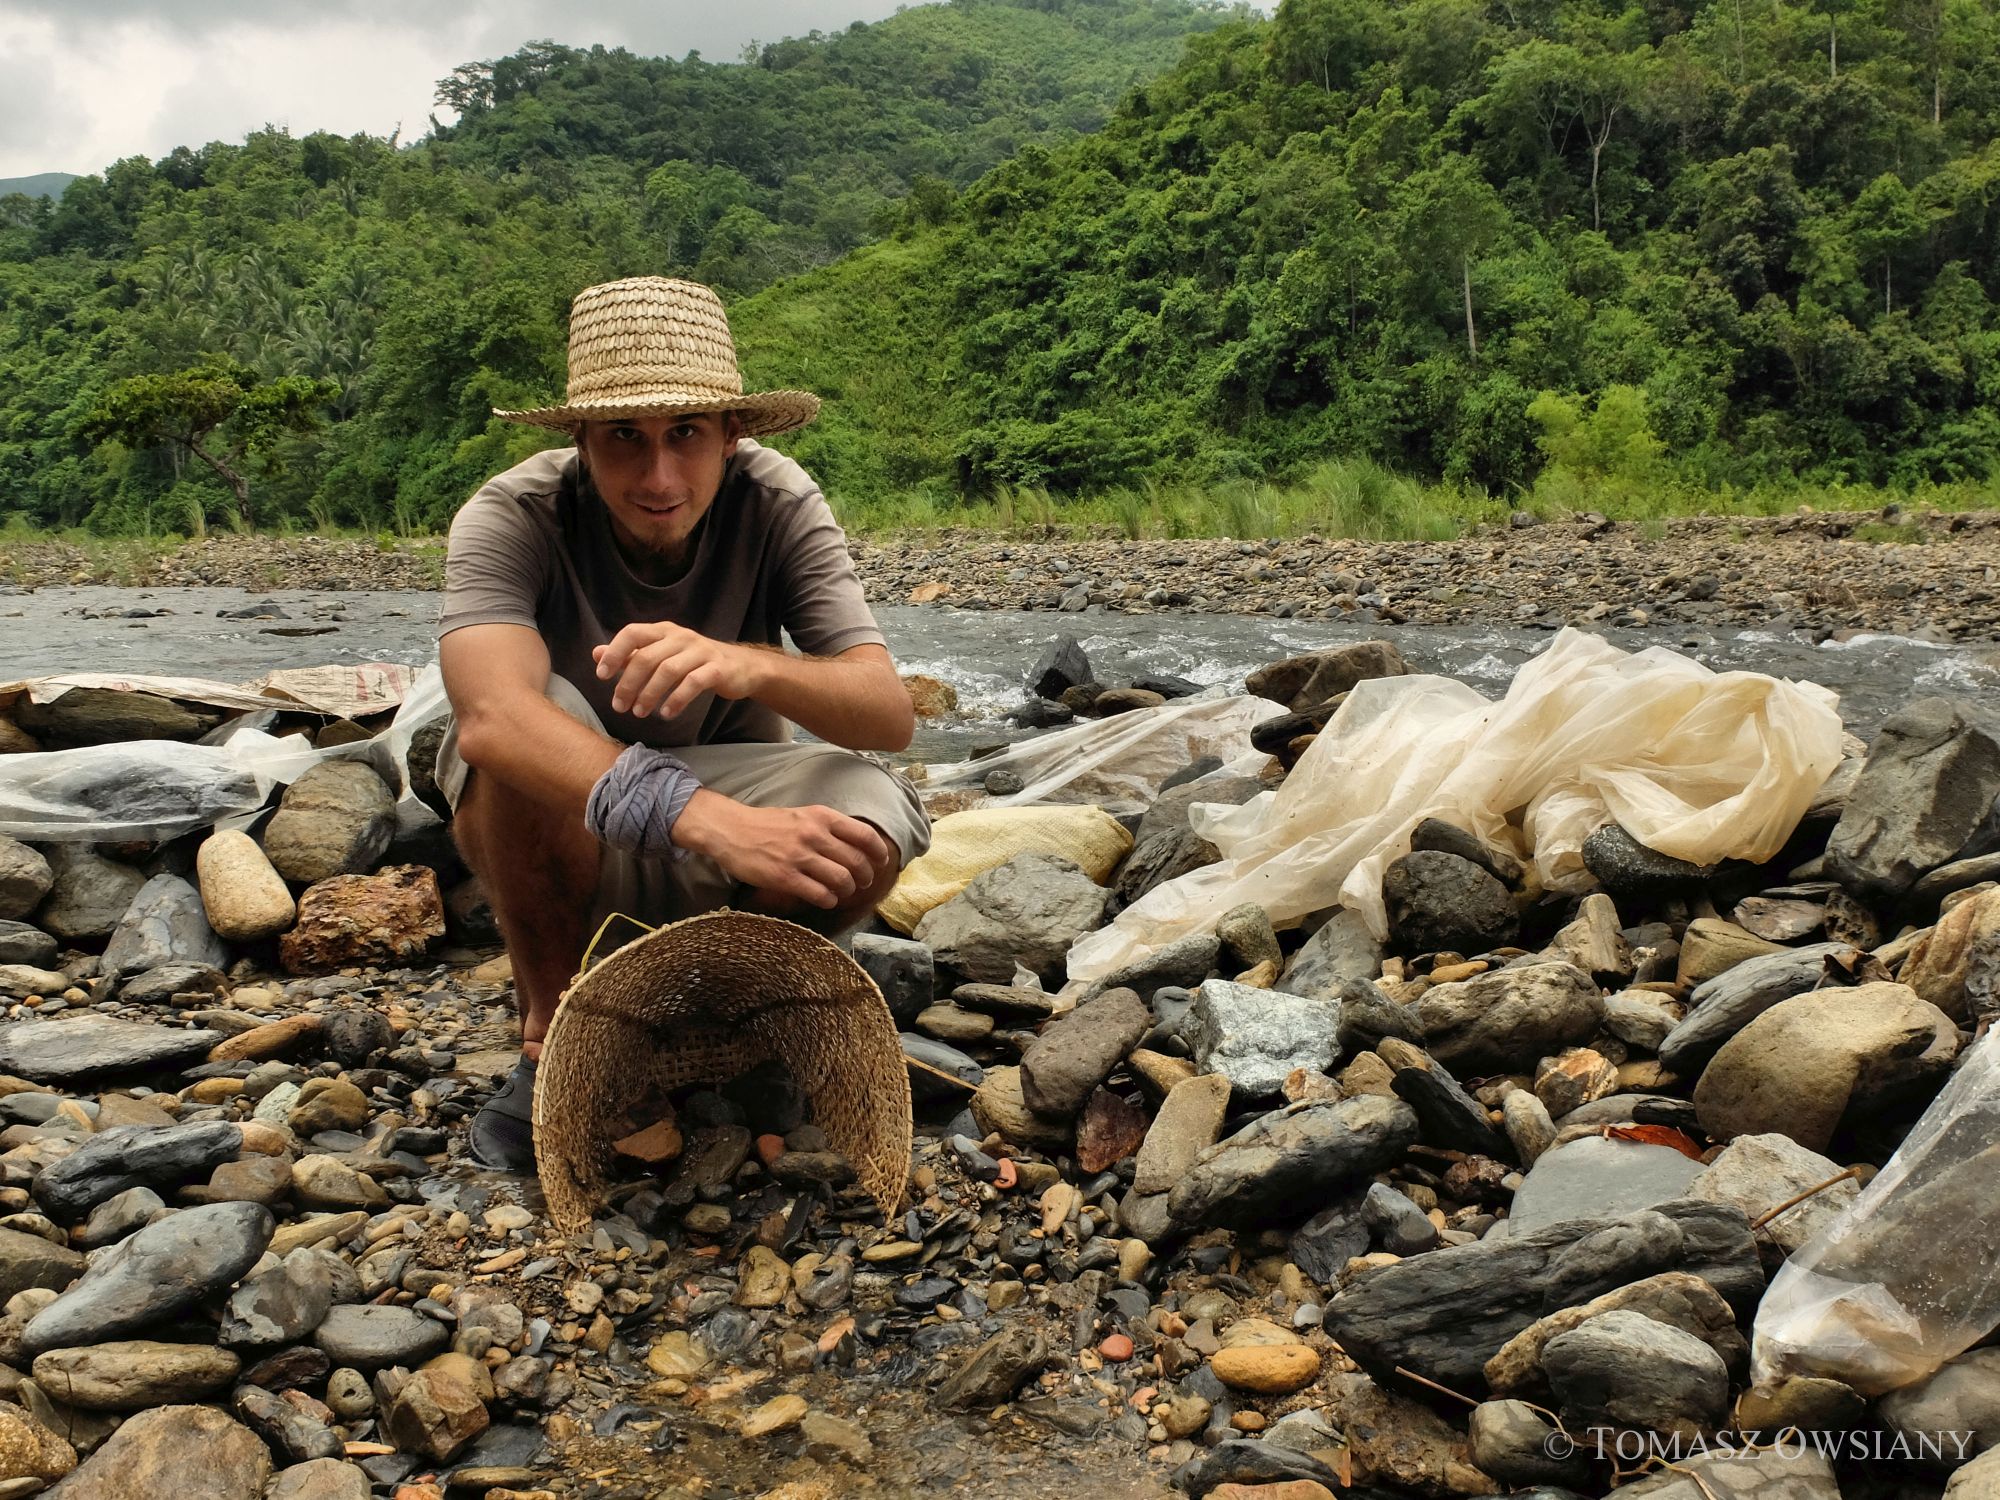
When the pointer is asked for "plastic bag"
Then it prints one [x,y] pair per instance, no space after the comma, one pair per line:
[967,844]
[1908,1275]
[1694,763]
[1116,763]
[147,790]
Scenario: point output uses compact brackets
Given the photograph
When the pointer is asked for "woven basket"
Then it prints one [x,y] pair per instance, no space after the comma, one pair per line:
[702,1001]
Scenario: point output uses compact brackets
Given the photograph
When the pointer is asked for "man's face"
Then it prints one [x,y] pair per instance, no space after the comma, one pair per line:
[659,475]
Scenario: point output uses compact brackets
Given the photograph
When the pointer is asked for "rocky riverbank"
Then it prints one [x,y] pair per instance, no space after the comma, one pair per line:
[1267,1214]
[1930,576]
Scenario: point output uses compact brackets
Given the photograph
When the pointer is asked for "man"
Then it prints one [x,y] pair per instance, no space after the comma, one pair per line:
[622,700]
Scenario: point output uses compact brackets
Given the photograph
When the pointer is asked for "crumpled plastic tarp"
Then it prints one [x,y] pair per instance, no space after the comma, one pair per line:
[1908,1274]
[147,790]
[1698,764]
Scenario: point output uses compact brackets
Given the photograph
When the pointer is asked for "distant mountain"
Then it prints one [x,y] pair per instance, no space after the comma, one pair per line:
[41,185]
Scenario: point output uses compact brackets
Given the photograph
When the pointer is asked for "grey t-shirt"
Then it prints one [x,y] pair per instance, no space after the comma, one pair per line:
[535,547]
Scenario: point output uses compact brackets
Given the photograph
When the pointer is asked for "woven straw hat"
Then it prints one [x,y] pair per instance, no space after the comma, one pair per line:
[650,346]
[702,1001]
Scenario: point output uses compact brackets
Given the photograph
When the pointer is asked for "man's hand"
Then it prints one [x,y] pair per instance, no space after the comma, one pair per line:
[810,854]
[662,668]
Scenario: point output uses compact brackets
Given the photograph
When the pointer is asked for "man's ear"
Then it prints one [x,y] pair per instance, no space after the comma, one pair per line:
[732,433]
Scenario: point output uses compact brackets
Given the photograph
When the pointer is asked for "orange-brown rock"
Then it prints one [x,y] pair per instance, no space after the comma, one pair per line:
[390,917]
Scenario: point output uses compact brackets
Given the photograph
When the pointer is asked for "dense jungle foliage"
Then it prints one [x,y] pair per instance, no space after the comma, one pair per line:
[1568,247]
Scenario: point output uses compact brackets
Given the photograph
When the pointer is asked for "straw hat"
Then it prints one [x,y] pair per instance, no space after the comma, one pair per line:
[702,1001]
[650,346]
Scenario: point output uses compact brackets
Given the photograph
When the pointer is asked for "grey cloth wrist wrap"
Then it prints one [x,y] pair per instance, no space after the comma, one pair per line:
[635,803]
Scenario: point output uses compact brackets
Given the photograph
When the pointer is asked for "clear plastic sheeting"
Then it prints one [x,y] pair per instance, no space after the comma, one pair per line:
[147,790]
[1908,1275]
[1116,763]
[1694,763]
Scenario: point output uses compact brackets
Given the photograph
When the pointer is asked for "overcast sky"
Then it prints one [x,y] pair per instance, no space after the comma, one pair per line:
[85,82]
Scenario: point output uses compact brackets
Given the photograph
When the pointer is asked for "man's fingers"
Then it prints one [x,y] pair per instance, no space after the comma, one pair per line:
[692,686]
[647,681]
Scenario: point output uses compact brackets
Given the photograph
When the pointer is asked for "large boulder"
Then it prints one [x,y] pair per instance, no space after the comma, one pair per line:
[1027,911]
[89,896]
[244,895]
[1931,776]
[190,1452]
[25,878]
[1507,1020]
[165,924]
[1286,1163]
[1805,1064]
[337,819]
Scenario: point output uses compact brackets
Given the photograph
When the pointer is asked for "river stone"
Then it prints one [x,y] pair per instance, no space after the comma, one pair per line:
[22,944]
[1447,1116]
[1806,1062]
[1165,845]
[1758,1172]
[320,1479]
[130,1156]
[1062,666]
[1961,1396]
[164,925]
[25,878]
[927,1058]
[87,1046]
[30,1451]
[1292,1159]
[164,1268]
[1511,1441]
[355,1033]
[1188,1123]
[1445,1313]
[282,1306]
[1625,867]
[1340,951]
[1622,1369]
[1506,1020]
[336,819]
[1675,1298]
[1794,1473]
[1183,963]
[1596,1176]
[28,1260]
[326,1182]
[1078,1052]
[244,895]
[434,1413]
[1977,1480]
[111,716]
[118,1216]
[388,918]
[1303,682]
[1724,1005]
[1253,1468]
[168,983]
[902,969]
[1956,965]
[1931,776]
[1247,936]
[1441,903]
[372,1338]
[134,1374]
[994,1371]
[90,894]
[186,1452]
[22,982]
[1000,1107]
[1323,1245]
[1711,947]
[1029,910]
[1257,1038]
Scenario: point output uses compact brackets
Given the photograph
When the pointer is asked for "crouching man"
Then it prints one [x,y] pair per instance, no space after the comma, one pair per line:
[622,701]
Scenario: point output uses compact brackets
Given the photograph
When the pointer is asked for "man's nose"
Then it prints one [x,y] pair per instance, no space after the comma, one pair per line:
[660,472]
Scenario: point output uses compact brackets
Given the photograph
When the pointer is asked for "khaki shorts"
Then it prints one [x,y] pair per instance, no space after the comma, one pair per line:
[783,774]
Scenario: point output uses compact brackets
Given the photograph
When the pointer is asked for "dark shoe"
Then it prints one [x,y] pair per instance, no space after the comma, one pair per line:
[503,1132]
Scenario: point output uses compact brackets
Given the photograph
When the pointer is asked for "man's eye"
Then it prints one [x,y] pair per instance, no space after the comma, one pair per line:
[626,434]
[686,430]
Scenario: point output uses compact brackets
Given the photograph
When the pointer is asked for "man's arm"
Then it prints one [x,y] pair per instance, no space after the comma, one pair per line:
[497,679]
[854,700]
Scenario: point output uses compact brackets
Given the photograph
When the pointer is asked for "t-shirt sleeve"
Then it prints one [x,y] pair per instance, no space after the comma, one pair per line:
[826,611]
[496,565]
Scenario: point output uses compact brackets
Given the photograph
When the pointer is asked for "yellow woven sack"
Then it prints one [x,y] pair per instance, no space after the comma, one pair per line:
[970,843]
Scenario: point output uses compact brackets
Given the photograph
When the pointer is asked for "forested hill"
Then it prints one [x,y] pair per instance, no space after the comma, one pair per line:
[332,318]
[1579,243]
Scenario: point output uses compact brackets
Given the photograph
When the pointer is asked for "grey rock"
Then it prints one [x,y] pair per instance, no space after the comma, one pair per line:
[130,1156]
[1622,1369]
[1445,1313]
[319,1479]
[82,1047]
[1634,1109]
[1242,1461]
[1165,847]
[111,716]
[368,1337]
[160,1271]
[1978,1480]
[168,983]
[1931,776]
[336,819]
[1441,903]
[1448,838]
[1506,1020]
[1029,910]
[931,1057]
[90,894]
[1529,1128]
[1078,1051]
[1961,1396]
[1756,1173]
[1639,1018]
[294,1434]
[130,1374]
[22,944]
[25,878]
[166,1451]
[1675,1298]
[118,1216]
[165,924]
[1183,963]
[1511,1441]
[1291,1159]
[1765,1475]
[1368,1018]
[28,1260]
[994,1371]
[1340,951]
[1447,1116]
[1722,1006]
[1596,1176]
[1323,1245]
[1397,1224]
[1062,666]
[1257,1038]
[1302,682]
[1247,936]
[282,1306]
[902,970]
[352,1034]
[1627,868]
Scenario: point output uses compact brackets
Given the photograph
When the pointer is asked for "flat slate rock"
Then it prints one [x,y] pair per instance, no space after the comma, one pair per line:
[1595,1177]
[91,1046]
